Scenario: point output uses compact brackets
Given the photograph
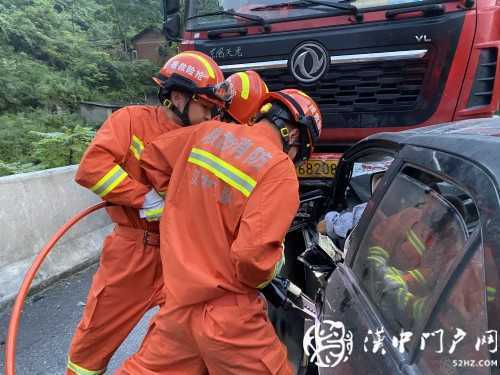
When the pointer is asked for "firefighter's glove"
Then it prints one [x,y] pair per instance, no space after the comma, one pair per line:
[276,271]
[276,292]
[152,208]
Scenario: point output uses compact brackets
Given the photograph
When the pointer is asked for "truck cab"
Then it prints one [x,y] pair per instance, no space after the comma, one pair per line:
[371,65]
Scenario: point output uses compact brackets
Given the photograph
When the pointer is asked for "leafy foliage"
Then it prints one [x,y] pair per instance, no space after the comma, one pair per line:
[56,53]
[57,149]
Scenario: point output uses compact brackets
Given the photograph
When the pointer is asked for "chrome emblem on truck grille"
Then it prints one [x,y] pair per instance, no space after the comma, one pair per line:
[308,62]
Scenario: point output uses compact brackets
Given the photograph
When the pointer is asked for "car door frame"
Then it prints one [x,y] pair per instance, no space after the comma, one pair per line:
[433,161]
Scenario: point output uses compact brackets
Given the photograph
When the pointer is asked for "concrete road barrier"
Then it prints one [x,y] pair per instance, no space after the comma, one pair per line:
[33,206]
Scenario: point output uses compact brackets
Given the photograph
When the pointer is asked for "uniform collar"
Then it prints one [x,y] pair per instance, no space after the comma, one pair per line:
[166,123]
[269,132]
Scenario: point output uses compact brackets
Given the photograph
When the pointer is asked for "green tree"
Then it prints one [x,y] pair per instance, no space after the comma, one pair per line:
[56,53]
[57,149]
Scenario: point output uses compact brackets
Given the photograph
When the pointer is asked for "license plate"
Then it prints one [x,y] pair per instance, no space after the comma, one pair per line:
[317,168]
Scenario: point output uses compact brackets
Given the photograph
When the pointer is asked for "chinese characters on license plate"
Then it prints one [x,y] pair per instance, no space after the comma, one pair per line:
[317,168]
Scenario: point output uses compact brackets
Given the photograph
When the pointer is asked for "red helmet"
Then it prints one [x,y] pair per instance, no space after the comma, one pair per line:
[195,73]
[249,93]
[294,106]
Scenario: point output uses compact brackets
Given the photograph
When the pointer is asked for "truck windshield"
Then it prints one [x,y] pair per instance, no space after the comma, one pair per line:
[270,10]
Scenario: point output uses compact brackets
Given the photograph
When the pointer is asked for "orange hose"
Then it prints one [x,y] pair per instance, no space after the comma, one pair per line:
[10,349]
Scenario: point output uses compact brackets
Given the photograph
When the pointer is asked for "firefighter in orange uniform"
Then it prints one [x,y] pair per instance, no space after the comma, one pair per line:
[249,93]
[129,279]
[232,194]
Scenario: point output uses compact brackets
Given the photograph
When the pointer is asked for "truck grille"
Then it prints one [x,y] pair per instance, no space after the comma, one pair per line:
[361,87]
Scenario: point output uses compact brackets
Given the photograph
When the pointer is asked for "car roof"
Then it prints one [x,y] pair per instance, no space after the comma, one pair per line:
[477,140]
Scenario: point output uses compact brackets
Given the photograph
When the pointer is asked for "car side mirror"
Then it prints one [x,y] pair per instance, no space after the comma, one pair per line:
[172,27]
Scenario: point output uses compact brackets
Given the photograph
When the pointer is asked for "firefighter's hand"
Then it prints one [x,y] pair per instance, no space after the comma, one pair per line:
[276,292]
[321,227]
[152,209]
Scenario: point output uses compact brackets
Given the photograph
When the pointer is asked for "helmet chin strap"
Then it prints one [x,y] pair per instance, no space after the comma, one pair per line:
[183,116]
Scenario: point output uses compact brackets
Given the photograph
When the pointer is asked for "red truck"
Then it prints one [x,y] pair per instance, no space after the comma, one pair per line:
[372,65]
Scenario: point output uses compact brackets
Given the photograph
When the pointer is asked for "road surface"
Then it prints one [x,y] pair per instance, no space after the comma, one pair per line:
[49,320]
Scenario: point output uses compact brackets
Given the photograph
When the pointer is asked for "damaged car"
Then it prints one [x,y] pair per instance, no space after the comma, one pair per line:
[408,282]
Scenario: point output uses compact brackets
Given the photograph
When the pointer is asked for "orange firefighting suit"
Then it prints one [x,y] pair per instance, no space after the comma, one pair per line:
[232,194]
[408,260]
[129,279]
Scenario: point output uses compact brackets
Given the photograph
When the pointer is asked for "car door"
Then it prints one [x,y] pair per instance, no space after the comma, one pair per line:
[400,260]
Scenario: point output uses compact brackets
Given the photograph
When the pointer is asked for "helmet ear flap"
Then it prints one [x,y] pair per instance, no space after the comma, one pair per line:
[305,148]
[163,95]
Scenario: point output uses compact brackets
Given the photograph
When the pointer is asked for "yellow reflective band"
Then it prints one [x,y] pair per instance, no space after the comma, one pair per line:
[491,293]
[245,85]
[417,275]
[265,86]
[277,268]
[403,297]
[265,108]
[397,279]
[109,181]
[162,194]
[204,61]
[223,170]
[394,275]
[153,212]
[418,308]
[376,259]
[415,241]
[377,250]
[82,371]
[136,147]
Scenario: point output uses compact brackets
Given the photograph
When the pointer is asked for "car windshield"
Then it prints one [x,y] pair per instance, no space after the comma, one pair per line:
[270,10]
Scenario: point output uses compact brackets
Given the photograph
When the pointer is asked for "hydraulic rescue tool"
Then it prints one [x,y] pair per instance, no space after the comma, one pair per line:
[281,292]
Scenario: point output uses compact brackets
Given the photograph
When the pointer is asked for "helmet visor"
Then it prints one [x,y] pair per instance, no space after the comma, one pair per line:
[223,91]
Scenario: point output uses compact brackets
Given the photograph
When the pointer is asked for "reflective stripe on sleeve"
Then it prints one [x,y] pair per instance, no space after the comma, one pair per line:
[415,241]
[110,180]
[418,308]
[376,259]
[245,85]
[277,269]
[403,296]
[380,251]
[223,170]
[490,293]
[418,276]
[136,146]
[393,274]
[83,371]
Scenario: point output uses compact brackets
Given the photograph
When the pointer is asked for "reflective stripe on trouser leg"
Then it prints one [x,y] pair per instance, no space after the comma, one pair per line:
[79,370]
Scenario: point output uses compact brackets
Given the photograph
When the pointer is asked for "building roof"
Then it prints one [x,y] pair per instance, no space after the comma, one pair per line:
[144,32]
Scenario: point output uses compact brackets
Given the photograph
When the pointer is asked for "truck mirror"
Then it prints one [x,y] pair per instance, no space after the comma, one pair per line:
[170,7]
[172,27]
